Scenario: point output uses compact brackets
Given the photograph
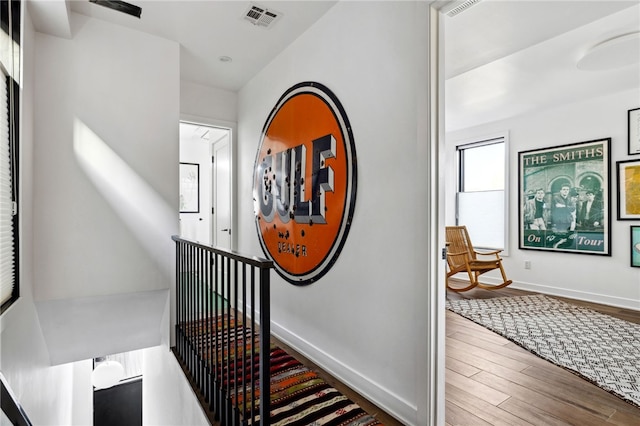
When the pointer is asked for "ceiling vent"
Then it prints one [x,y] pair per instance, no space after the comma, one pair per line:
[456,7]
[120,6]
[261,16]
[203,132]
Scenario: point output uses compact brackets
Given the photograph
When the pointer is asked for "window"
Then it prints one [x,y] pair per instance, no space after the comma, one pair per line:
[9,107]
[481,197]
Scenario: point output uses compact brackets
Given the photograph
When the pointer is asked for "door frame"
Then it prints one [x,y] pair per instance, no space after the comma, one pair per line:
[433,156]
[232,127]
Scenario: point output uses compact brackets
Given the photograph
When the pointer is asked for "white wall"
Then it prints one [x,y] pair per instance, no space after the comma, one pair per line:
[100,196]
[105,161]
[197,100]
[79,235]
[167,397]
[59,395]
[608,280]
[360,321]
[49,395]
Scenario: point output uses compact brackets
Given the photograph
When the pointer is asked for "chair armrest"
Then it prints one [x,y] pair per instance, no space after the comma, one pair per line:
[487,253]
[458,254]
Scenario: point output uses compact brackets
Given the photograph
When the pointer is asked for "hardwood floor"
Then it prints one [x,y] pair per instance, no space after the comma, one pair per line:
[492,381]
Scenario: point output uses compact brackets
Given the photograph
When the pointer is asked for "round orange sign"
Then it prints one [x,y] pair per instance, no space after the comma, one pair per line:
[305,183]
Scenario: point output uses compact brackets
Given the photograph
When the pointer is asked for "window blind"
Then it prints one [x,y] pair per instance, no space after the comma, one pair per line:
[7,261]
[482,191]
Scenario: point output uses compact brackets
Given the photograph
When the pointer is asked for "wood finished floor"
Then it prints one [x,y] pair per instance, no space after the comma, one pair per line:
[492,381]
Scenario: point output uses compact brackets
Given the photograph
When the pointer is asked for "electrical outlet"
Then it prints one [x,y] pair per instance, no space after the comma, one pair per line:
[527,264]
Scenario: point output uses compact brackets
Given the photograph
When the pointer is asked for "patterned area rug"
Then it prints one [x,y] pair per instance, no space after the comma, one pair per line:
[597,347]
[299,396]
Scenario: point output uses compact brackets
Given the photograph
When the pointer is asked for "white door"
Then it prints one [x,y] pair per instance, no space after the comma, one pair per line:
[221,186]
[195,151]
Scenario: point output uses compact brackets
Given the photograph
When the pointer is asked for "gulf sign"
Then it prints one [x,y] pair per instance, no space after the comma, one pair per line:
[305,183]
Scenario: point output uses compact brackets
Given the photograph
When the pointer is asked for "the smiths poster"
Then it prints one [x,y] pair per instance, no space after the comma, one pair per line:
[564,198]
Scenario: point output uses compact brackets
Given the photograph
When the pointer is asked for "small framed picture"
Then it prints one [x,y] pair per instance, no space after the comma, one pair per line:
[633,120]
[189,188]
[628,172]
[635,246]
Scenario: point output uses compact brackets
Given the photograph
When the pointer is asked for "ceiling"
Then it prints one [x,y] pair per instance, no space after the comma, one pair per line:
[197,133]
[502,57]
[208,30]
[508,58]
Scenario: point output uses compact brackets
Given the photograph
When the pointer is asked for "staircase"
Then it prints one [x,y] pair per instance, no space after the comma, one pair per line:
[222,321]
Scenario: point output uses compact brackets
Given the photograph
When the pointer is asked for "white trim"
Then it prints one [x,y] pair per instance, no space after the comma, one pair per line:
[213,193]
[602,299]
[198,119]
[478,140]
[585,296]
[434,412]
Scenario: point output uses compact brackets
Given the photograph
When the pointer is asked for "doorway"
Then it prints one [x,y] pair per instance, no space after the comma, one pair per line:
[117,389]
[207,149]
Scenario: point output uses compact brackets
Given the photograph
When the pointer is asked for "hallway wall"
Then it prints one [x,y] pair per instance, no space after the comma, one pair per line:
[206,102]
[105,161]
[360,320]
[96,213]
[76,240]
[167,396]
[49,395]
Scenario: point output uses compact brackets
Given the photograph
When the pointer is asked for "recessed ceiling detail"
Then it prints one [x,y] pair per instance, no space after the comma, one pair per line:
[261,16]
[615,52]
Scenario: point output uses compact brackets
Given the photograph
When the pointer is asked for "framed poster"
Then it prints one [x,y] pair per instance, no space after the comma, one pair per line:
[633,130]
[635,246]
[564,198]
[628,189]
[189,188]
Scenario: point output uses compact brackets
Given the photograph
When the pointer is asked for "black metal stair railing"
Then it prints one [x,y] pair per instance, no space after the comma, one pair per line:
[10,406]
[219,339]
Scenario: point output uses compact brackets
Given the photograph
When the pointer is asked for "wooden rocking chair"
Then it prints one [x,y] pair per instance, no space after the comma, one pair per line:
[462,257]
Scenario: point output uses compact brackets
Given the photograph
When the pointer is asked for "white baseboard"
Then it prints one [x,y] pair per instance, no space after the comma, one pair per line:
[399,408]
[603,299]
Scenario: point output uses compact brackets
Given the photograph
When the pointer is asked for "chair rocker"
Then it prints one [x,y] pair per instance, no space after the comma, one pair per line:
[462,257]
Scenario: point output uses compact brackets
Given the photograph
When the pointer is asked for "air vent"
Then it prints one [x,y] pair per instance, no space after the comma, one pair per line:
[458,7]
[203,132]
[120,6]
[261,16]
